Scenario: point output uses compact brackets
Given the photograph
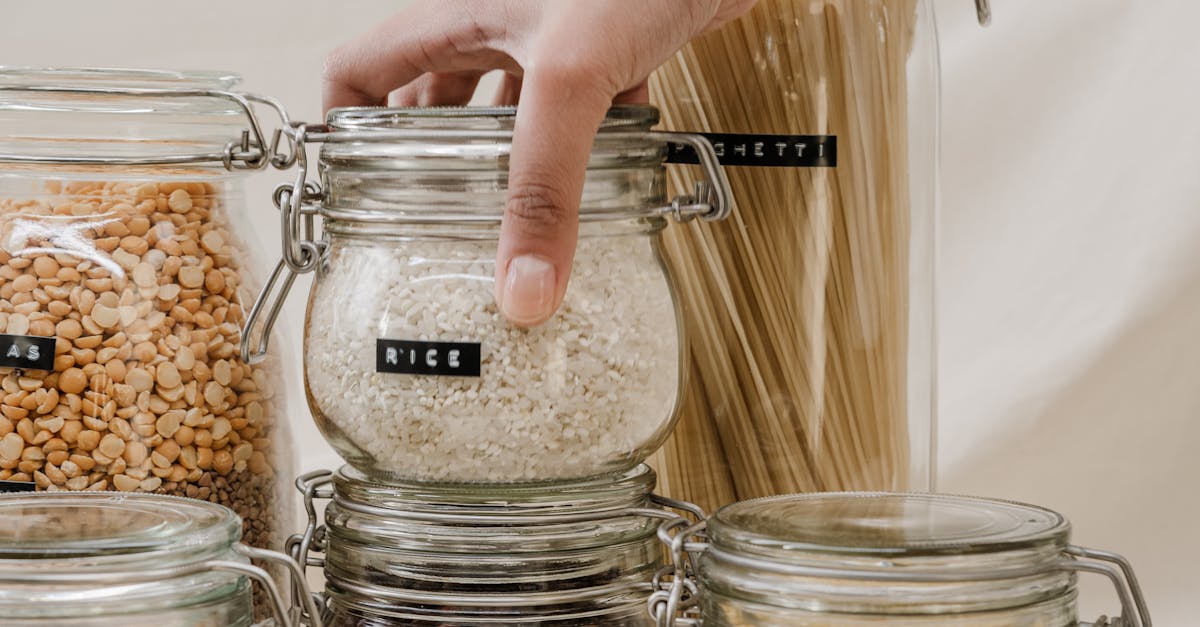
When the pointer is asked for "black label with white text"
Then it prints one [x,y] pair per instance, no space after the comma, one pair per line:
[30,352]
[772,151]
[445,359]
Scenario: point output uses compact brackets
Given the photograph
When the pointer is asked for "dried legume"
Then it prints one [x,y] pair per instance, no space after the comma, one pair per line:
[140,285]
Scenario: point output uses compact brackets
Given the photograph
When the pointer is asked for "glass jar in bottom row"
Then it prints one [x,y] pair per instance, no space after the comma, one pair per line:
[867,559]
[568,554]
[93,559]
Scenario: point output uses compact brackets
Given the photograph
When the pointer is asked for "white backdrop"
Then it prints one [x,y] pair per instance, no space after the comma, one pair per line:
[1070,293]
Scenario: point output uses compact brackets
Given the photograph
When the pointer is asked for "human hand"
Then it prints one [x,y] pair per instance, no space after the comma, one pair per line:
[566,62]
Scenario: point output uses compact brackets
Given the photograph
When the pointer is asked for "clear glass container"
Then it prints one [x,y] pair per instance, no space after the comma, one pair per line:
[410,370]
[810,310]
[139,560]
[856,559]
[573,554]
[124,272]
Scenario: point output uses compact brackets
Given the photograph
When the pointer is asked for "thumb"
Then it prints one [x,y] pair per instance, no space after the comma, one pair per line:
[557,120]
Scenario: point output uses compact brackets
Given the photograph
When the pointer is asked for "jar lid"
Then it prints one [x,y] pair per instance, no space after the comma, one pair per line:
[65,557]
[618,118]
[82,118]
[888,554]
[108,528]
[463,139]
[890,526]
[450,164]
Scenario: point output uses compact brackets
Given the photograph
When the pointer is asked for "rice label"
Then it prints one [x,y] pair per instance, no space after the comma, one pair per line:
[772,151]
[444,359]
[29,352]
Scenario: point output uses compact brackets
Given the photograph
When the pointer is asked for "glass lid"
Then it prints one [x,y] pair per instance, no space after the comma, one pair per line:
[101,525]
[619,117]
[116,77]
[108,116]
[883,524]
[432,139]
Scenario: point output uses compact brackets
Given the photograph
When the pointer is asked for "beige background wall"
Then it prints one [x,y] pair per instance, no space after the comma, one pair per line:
[1070,310]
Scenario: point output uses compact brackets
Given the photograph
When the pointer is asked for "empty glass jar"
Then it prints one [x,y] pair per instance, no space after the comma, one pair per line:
[93,559]
[858,559]
[577,554]
[410,370]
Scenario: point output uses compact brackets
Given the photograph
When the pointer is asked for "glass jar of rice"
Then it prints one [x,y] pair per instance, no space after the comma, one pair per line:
[412,373]
[858,559]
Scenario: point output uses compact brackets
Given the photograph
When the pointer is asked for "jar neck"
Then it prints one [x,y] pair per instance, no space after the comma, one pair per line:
[629,191]
[894,588]
[500,506]
[606,608]
[477,554]
[338,231]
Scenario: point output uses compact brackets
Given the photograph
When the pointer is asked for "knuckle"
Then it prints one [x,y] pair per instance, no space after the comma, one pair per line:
[538,209]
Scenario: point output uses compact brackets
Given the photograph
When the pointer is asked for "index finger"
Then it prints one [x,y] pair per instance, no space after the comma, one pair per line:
[448,36]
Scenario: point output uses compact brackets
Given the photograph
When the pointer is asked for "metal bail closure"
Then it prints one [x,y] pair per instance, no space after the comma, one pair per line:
[1134,610]
[713,198]
[675,600]
[301,251]
[314,486]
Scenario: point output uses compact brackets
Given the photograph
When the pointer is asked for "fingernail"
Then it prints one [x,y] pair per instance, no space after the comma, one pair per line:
[528,296]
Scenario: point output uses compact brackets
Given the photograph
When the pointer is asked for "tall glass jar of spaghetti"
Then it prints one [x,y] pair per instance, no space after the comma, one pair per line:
[810,311]
[125,273]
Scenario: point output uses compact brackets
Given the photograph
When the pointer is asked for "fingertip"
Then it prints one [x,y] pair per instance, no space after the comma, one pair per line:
[528,292]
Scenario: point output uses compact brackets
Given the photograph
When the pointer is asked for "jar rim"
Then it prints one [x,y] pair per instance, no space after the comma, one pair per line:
[888,525]
[618,118]
[76,76]
[114,528]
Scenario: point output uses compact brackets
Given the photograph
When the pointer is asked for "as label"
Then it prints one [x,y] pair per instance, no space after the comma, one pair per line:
[446,359]
[30,352]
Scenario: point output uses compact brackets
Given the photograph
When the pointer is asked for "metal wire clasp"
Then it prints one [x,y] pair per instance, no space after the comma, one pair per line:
[314,486]
[1134,610]
[675,600]
[712,198]
[301,249]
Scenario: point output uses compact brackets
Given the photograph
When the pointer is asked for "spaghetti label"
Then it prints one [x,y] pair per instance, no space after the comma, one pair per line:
[447,359]
[772,151]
